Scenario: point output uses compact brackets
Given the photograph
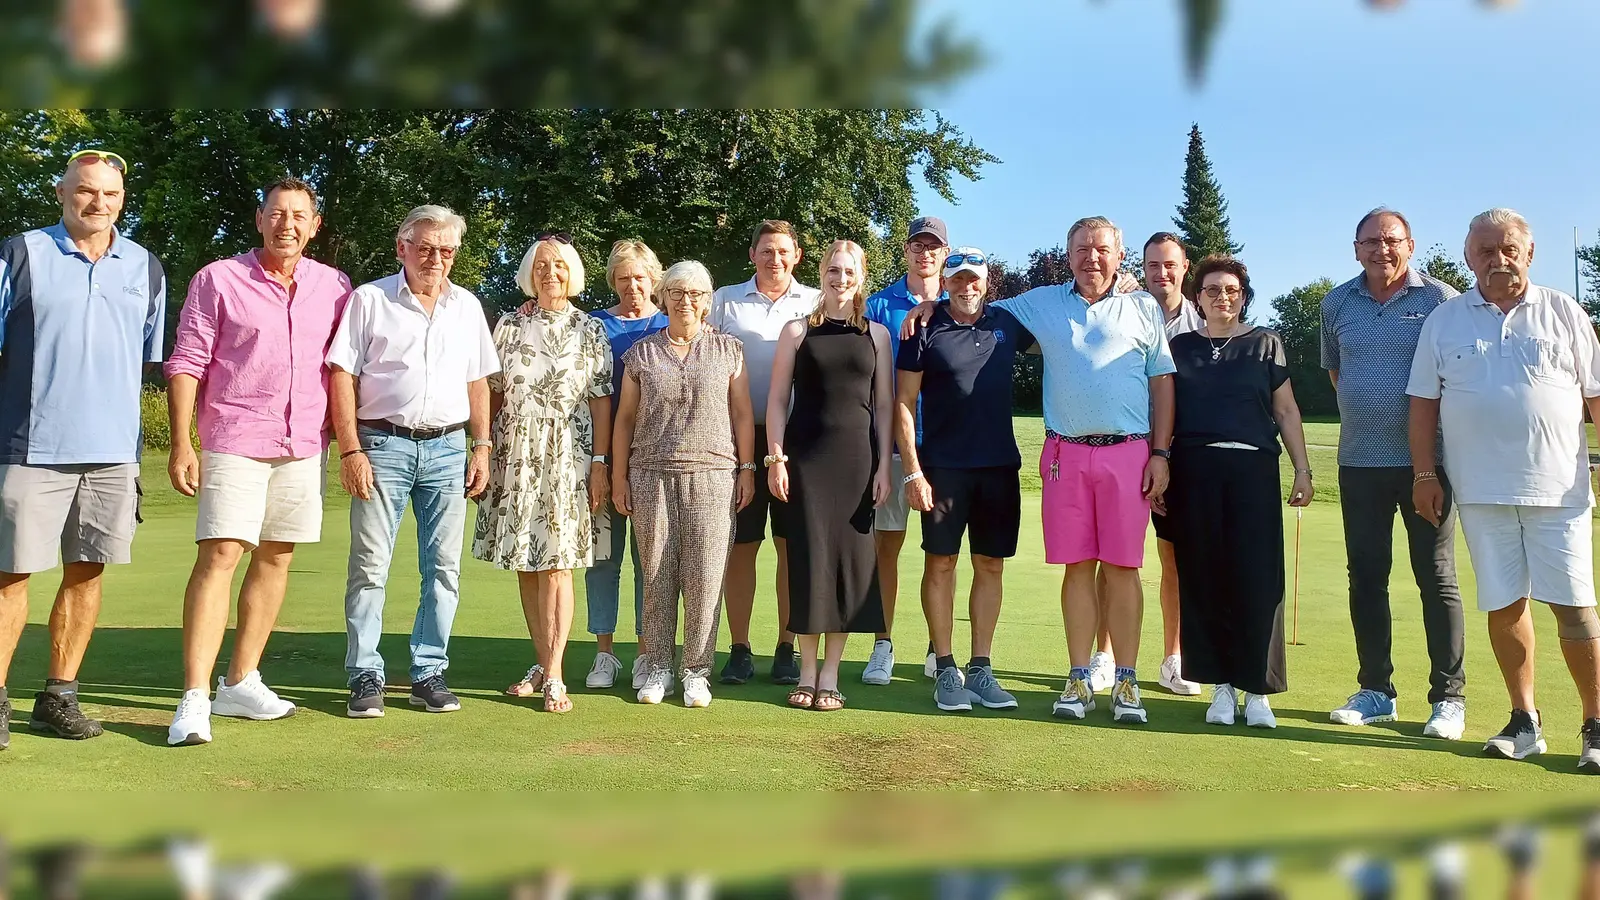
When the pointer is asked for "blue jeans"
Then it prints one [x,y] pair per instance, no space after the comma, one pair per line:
[602,583]
[432,476]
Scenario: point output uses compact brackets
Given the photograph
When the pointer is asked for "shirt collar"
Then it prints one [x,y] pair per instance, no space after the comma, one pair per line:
[1530,297]
[751,290]
[1072,288]
[1413,280]
[58,233]
[403,290]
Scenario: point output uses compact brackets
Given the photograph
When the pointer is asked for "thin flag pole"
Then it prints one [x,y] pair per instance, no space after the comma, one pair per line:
[1577,266]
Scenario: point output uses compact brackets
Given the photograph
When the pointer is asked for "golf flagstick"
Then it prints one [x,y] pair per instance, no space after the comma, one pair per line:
[1299,516]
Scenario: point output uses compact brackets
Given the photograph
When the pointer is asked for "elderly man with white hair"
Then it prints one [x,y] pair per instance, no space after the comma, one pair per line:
[411,360]
[1508,368]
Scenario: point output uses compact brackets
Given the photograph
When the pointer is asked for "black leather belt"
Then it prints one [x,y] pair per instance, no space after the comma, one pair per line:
[414,434]
[1097,440]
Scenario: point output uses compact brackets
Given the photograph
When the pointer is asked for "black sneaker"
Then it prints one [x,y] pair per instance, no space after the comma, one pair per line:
[785,668]
[366,697]
[1520,739]
[60,715]
[1589,747]
[740,667]
[5,724]
[433,695]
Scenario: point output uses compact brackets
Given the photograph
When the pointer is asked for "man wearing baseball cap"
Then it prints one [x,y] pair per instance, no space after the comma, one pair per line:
[927,243]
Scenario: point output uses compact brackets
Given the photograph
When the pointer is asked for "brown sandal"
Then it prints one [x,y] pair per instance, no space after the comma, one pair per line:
[828,701]
[803,697]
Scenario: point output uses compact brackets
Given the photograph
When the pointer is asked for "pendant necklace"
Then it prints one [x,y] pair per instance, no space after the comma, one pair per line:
[1216,350]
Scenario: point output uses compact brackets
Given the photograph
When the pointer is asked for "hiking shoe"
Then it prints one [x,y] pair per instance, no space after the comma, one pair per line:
[1589,747]
[1448,720]
[1364,708]
[603,673]
[1076,701]
[1520,739]
[1126,705]
[696,689]
[433,695]
[641,671]
[366,697]
[1224,704]
[191,724]
[949,693]
[785,667]
[656,685]
[740,667]
[1258,712]
[60,715]
[983,687]
[5,724]
[880,665]
[1172,678]
[250,699]
[1102,671]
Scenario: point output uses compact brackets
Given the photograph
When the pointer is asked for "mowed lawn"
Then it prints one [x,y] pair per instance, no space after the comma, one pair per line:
[889,737]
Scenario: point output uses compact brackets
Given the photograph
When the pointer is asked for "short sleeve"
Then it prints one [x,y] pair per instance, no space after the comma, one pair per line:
[631,359]
[1330,339]
[1585,350]
[1277,361]
[5,293]
[1425,381]
[599,350]
[497,378]
[909,358]
[155,319]
[1158,356]
[350,338]
[486,360]
[1025,337]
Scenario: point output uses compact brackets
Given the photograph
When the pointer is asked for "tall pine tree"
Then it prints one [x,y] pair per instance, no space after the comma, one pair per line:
[1202,218]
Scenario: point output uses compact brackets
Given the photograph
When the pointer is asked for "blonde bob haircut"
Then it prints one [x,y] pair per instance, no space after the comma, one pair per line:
[568,255]
[633,251]
[858,306]
[686,274]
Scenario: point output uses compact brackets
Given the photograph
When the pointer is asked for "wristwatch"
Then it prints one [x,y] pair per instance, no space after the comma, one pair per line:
[481,443]
[1164,454]
[602,459]
[747,467]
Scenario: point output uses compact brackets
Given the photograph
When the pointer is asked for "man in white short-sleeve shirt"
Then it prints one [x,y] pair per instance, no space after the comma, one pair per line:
[411,361]
[1508,369]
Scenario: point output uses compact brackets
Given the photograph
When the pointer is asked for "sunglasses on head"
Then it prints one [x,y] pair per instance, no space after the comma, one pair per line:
[105,156]
[955,261]
[560,237]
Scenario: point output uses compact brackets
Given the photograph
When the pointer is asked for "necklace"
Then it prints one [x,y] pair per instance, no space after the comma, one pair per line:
[1216,349]
[683,342]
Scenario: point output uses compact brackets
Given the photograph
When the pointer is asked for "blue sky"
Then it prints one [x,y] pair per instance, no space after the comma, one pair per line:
[1313,111]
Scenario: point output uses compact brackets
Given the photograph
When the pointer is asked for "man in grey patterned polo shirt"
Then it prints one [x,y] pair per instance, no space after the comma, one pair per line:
[1370,326]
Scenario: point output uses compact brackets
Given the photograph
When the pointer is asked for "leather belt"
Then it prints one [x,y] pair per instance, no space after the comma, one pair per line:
[1097,440]
[414,434]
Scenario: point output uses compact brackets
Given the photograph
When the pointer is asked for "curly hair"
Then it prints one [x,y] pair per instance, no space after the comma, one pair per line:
[1220,262]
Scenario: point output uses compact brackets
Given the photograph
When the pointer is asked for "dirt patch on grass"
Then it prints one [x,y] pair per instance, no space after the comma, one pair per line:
[911,759]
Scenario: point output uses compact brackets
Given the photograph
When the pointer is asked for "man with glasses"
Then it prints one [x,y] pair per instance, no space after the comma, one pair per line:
[755,313]
[926,246]
[411,361]
[81,314]
[250,345]
[1370,327]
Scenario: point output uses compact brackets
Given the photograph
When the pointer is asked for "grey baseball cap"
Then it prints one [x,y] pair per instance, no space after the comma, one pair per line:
[928,225]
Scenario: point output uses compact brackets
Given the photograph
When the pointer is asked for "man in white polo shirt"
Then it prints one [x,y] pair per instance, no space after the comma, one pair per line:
[755,313]
[411,361]
[1508,368]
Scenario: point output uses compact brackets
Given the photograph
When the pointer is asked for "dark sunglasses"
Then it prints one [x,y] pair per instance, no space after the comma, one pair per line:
[560,237]
[105,156]
[954,261]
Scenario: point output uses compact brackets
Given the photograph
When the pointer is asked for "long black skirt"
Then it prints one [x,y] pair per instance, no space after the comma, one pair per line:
[1226,507]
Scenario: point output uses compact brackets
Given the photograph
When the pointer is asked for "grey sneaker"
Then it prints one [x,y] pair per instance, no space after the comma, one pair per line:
[1126,705]
[1589,749]
[1520,739]
[949,693]
[983,687]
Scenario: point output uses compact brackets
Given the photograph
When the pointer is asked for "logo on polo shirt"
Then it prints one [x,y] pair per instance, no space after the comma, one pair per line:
[133,289]
[999,335]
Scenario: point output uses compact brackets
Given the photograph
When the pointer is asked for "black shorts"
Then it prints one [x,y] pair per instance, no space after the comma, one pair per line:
[986,504]
[750,525]
[1164,526]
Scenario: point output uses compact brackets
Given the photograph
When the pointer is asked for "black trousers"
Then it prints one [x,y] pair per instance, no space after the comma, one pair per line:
[1225,509]
[1368,498]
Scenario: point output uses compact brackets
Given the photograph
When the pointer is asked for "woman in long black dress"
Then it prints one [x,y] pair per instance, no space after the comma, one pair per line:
[1234,402]
[829,459]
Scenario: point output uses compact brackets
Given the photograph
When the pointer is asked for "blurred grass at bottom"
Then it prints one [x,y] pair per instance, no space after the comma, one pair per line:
[886,845]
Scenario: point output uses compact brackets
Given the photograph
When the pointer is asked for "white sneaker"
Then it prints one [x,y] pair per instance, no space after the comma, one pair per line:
[1258,712]
[641,671]
[191,724]
[696,690]
[1172,678]
[250,699]
[1102,671]
[656,686]
[880,665]
[1224,702]
[603,673]
[930,669]
[1448,721]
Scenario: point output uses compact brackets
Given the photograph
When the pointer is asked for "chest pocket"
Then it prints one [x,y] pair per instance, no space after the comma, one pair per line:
[1547,361]
[1464,364]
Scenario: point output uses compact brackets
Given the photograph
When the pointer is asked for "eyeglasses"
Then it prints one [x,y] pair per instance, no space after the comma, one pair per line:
[105,156]
[1371,244]
[1215,293]
[955,261]
[560,237]
[693,296]
[919,248]
[427,250]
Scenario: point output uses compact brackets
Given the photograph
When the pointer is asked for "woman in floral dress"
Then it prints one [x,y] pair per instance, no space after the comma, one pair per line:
[549,474]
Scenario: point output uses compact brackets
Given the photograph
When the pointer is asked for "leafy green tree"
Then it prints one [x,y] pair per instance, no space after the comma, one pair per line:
[1589,263]
[1202,218]
[1440,265]
[1297,316]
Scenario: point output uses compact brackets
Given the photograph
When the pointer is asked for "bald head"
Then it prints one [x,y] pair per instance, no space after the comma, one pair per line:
[91,197]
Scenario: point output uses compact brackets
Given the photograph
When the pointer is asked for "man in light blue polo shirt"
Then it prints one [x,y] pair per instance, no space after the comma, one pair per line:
[81,312]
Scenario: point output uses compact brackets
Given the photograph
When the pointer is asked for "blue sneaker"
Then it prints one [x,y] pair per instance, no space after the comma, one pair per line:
[1364,708]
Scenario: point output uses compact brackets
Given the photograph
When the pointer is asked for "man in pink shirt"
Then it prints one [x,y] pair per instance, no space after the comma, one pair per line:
[251,342]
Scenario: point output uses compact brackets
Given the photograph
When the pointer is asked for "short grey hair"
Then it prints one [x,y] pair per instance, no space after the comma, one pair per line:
[685,274]
[1094,223]
[1499,217]
[1380,212]
[440,217]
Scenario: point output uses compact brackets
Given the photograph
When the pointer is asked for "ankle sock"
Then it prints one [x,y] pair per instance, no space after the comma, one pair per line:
[978,662]
[1126,673]
[60,688]
[946,662]
[1079,672]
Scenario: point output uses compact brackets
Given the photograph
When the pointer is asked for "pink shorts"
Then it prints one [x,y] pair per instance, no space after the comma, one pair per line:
[1093,507]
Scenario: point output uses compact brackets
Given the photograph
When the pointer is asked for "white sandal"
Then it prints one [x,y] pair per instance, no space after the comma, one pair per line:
[555,697]
[531,683]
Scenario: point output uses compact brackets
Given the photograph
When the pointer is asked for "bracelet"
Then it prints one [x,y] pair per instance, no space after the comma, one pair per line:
[1305,472]
[1425,476]
[747,467]
[912,477]
[349,453]
[773,459]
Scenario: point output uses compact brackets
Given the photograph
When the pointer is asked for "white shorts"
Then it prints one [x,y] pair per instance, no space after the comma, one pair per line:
[255,500]
[892,515]
[1545,553]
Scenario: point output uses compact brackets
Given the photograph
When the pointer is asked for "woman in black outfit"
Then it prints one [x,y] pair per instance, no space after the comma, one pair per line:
[829,459]
[1234,402]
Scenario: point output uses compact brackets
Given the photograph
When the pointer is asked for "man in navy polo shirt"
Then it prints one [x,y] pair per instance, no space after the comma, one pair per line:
[927,243]
[81,312]
[961,475]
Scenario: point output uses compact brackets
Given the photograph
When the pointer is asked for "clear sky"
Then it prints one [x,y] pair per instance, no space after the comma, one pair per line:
[1313,111]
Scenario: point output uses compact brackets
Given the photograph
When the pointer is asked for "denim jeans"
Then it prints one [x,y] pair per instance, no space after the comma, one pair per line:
[602,582]
[431,475]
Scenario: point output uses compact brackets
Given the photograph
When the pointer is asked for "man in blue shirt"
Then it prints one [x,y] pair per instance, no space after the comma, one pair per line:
[927,243]
[962,472]
[1370,327]
[81,312]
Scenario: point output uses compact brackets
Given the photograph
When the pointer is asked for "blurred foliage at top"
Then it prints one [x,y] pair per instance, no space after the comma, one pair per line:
[283,53]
